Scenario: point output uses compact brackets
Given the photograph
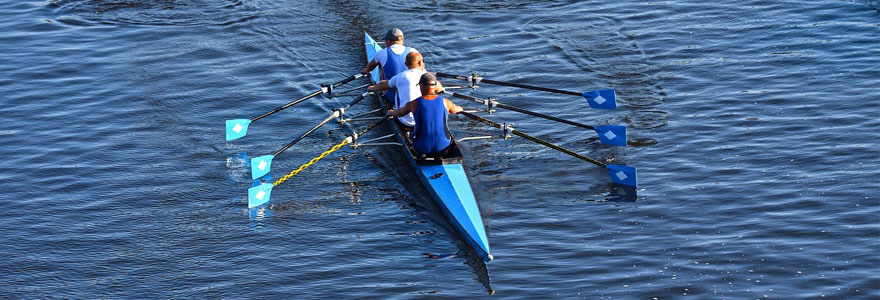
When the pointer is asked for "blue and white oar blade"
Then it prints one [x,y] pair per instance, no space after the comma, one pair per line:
[622,174]
[601,99]
[612,135]
[236,128]
[261,165]
[259,195]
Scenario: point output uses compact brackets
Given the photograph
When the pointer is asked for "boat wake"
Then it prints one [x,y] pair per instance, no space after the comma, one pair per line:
[152,13]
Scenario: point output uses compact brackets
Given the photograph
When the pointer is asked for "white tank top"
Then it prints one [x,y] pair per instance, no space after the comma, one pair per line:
[407,91]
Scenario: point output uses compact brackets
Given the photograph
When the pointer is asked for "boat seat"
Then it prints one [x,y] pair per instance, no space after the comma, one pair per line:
[451,151]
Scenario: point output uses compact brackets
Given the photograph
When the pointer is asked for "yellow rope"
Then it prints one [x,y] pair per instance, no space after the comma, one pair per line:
[311,162]
[316,159]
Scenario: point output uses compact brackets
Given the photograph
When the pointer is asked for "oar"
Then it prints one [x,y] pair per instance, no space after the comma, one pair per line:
[237,128]
[608,134]
[261,165]
[619,173]
[601,99]
[259,195]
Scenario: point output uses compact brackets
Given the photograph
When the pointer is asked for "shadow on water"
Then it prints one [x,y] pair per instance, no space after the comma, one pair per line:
[472,259]
[478,265]
[389,158]
[612,192]
[621,193]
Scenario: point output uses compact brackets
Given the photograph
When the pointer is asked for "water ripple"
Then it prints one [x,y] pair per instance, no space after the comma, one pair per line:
[154,13]
[753,125]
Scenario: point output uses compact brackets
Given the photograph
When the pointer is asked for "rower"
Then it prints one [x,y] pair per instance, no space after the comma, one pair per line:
[392,59]
[431,135]
[405,83]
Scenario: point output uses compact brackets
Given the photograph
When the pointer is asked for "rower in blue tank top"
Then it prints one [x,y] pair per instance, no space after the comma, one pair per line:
[392,59]
[431,135]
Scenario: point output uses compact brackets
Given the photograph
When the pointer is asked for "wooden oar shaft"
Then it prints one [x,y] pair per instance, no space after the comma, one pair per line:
[528,112]
[534,139]
[511,84]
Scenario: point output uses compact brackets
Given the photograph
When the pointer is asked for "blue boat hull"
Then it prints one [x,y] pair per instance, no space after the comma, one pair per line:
[444,178]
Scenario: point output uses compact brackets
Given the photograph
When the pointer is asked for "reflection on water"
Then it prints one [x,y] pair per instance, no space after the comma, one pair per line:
[258,215]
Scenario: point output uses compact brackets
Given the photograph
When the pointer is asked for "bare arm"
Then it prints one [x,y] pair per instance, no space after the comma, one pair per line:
[381,86]
[370,66]
[451,107]
[408,108]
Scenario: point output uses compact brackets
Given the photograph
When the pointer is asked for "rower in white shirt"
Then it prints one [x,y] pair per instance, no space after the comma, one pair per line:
[405,83]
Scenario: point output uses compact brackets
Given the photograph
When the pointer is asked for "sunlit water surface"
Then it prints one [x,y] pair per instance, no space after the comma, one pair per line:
[754,125]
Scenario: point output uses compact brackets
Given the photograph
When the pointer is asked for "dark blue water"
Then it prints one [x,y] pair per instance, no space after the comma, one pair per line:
[754,125]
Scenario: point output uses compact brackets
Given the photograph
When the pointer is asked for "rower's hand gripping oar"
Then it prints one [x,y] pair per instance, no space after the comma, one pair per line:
[260,194]
[608,134]
[619,173]
[237,128]
[601,99]
[262,165]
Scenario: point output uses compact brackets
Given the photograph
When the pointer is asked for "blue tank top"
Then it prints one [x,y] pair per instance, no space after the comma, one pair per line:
[431,134]
[394,64]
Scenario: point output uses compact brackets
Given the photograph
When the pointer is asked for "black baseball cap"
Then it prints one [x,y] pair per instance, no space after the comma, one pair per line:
[428,79]
[394,34]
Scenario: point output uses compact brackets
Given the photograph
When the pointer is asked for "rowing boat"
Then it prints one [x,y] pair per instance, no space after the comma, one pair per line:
[444,178]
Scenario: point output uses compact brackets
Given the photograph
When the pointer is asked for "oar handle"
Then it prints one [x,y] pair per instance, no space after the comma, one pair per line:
[528,112]
[511,84]
[534,139]
[347,80]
